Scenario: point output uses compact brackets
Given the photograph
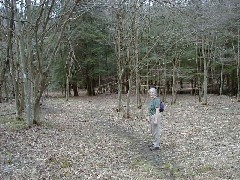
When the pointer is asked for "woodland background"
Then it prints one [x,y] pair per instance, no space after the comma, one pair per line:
[63,60]
[117,46]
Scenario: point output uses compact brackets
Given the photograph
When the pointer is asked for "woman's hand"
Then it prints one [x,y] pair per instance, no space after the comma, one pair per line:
[156,116]
[147,118]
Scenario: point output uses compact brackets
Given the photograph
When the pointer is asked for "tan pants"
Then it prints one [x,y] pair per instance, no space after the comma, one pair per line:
[155,130]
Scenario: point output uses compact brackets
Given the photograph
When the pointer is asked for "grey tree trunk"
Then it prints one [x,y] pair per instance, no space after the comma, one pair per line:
[120,42]
[198,65]
[14,63]
[67,88]
[1,82]
[205,74]
[25,69]
[221,79]
[135,30]
[138,82]
[119,63]
[129,84]
[128,115]
[174,89]
[238,67]
[1,65]
[221,75]
[165,80]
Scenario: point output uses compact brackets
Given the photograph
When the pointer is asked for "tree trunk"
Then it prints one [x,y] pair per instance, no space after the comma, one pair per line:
[36,111]
[1,63]
[138,83]
[28,69]
[5,66]
[67,88]
[1,79]
[135,45]
[119,105]
[238,68]
[174,89]
[90,86]
[120,65]
[69,65]
[198,65]
[233,83]
[14,65]
[75,89]
[205,80]
[40,84]
[129,97]
[165,80]
[129,84]
[221,80]
[25,70]
[221,77]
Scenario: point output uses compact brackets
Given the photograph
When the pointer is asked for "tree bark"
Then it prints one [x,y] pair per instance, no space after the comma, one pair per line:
[221,80]
[165,80]
[238,67]
[221,76]
[119,58]
[174,89]
[135,35]
[1,65]
[128,115]
[67,88]
[205,73]
[198,65]
[25,69]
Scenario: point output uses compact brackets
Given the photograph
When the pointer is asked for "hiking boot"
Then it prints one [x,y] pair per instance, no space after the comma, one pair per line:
[151,145]
[154,148]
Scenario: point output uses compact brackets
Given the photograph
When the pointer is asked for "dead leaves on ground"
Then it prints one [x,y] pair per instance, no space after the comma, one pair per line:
[87,138]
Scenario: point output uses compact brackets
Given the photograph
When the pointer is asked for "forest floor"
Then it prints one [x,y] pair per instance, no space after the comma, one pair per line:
[86,138]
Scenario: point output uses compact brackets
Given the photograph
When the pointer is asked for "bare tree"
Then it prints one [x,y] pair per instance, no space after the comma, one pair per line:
[238,65]
[118,41]
[1,62]
[39,30]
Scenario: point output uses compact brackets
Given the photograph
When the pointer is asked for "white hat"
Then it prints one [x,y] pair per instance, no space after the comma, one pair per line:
[152,91]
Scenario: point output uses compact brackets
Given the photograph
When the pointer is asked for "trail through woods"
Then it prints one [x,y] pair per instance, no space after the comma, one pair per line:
[85,138]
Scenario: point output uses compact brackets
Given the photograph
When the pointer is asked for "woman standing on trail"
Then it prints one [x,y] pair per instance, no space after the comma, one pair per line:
[154,118]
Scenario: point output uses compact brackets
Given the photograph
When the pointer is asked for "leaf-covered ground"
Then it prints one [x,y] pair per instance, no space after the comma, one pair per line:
[85,138]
